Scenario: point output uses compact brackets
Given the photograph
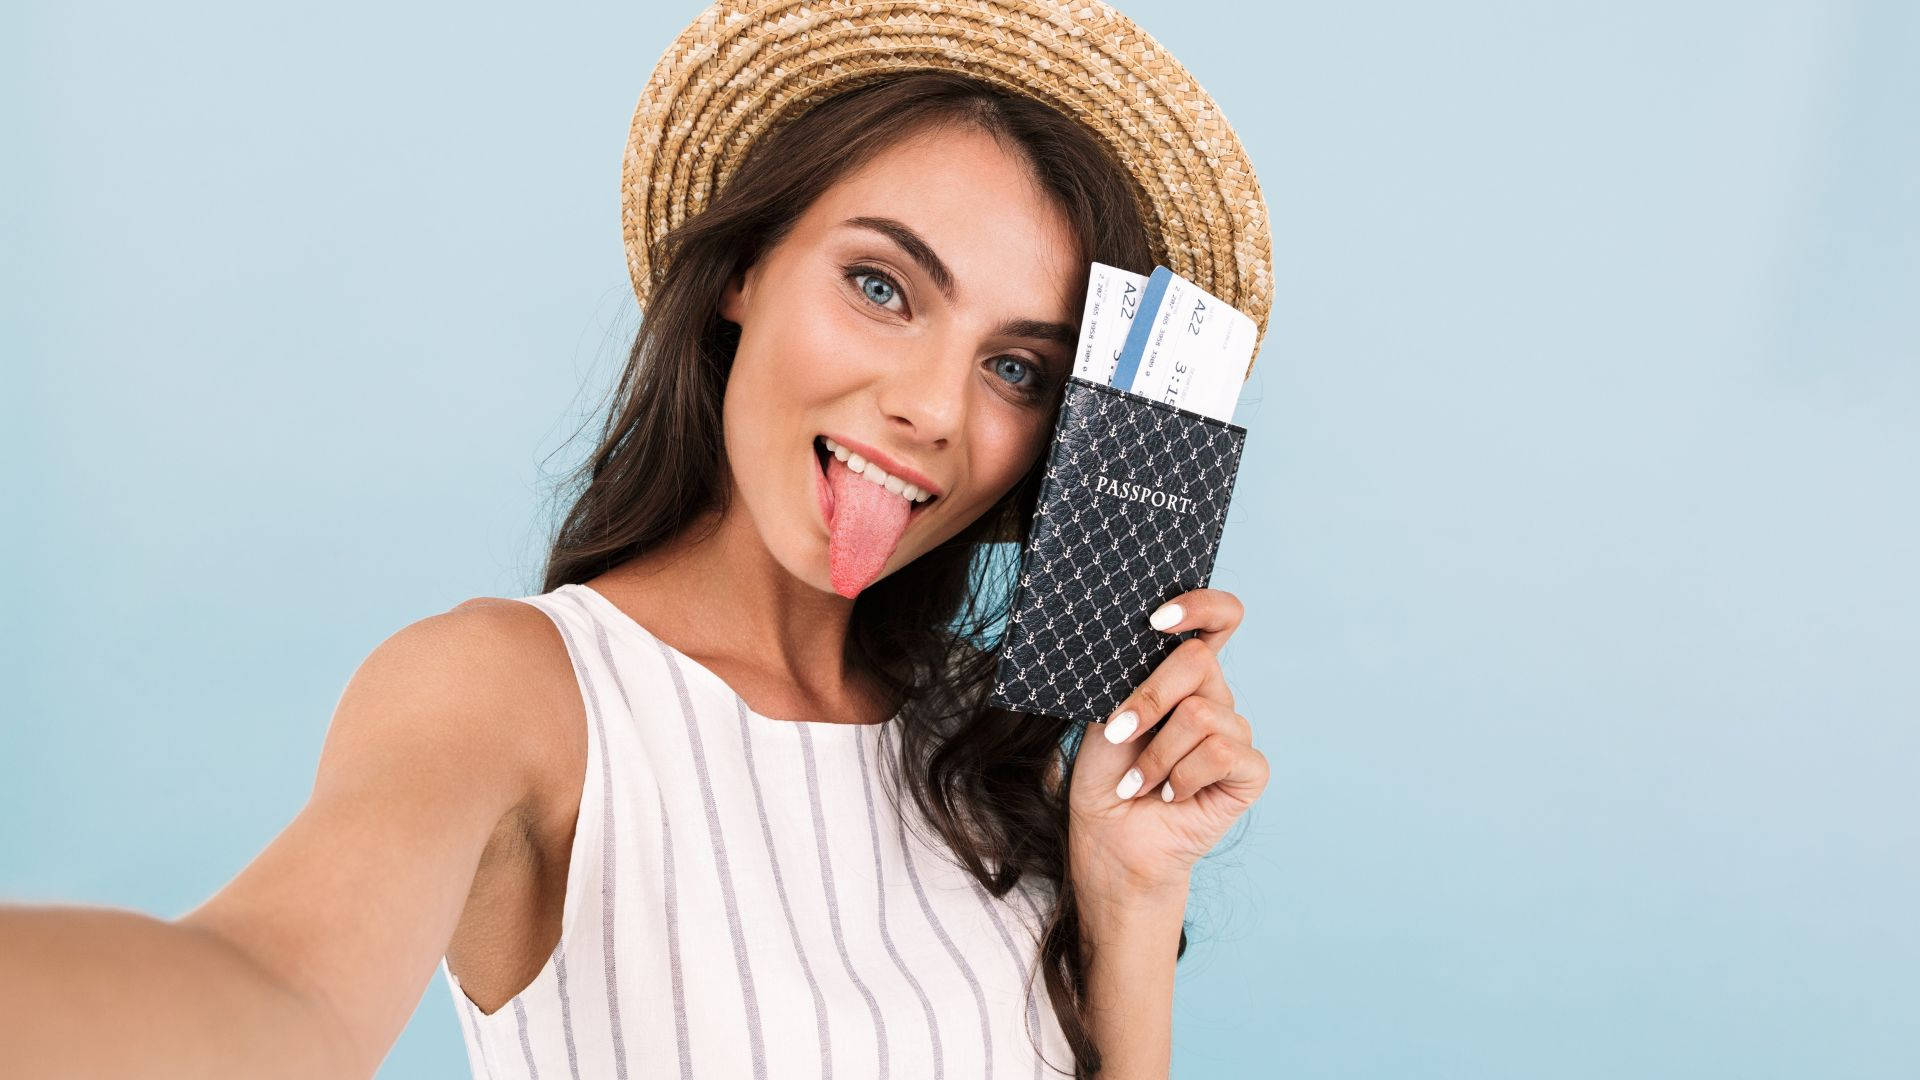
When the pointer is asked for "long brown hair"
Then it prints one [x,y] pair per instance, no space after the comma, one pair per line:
[984,778]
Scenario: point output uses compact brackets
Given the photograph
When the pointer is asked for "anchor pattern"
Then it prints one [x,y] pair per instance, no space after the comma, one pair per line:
[1098,562]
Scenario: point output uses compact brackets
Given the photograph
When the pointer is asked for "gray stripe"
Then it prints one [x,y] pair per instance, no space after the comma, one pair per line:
[479,1038]
[833,905]
[779,886]
[1032,907]
[672,896]
[755,1045]
[1021,965]
[979,997]
[566,1006]
[526,1045]
[886,938]
[607,878]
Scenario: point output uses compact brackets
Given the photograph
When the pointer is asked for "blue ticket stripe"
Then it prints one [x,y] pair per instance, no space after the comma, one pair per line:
[1137,334]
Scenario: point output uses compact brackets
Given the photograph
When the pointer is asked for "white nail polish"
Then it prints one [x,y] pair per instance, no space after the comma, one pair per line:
[1166,616]
[1129,784]
[1166,791]
[1122,726]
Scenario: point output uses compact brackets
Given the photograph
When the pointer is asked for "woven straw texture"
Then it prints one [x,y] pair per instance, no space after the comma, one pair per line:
[744,67]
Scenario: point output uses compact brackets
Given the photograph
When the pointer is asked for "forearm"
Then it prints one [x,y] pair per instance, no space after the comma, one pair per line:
[1131,946]
[95,991]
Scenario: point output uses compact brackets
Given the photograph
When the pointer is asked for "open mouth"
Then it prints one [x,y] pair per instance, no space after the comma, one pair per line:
[825,458]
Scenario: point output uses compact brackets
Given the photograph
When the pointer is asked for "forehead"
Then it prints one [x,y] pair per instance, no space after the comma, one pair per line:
[974,201]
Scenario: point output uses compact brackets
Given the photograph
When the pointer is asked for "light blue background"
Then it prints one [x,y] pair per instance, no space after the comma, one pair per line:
[1576,528]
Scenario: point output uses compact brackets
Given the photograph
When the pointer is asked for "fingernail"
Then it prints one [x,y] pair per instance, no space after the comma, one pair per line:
[1129,784]
[1166,616]
[1122,726]
[1166,791]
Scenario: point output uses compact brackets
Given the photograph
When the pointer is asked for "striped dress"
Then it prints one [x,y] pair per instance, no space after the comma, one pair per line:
[744,900]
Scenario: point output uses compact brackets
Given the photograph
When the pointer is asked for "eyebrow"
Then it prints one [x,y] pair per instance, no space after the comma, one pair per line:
[922,253]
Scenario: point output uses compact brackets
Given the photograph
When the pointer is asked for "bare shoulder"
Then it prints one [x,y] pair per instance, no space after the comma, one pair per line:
[483,687]
[516,652]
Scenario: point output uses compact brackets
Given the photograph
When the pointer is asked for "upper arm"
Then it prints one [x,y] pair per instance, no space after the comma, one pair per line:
[430,747]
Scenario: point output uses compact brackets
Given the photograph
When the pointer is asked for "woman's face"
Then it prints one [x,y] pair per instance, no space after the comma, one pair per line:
[924,307]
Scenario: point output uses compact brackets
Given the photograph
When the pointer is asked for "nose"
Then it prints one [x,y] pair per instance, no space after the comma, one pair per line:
[927,393]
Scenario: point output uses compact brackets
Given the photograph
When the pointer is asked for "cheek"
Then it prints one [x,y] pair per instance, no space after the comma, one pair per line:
[1007,447]
[807,351]
[794,360]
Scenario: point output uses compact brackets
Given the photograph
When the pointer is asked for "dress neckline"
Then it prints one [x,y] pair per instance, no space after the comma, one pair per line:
[625,623]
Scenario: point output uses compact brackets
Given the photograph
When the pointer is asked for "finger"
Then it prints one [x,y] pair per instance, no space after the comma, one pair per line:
[1191,668]
[1235,768]
[1192,721]
[1215,613]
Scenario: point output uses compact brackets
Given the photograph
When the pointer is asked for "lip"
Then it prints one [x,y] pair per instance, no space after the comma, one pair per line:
[894,468]
[823,491]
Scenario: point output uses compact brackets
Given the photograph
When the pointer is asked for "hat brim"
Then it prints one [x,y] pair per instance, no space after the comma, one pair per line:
[743,68]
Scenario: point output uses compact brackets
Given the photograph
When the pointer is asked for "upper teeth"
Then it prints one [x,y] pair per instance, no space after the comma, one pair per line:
[863,468]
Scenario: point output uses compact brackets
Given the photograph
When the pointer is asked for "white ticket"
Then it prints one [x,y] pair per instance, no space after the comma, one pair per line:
[1218,345]
[1113,299]
[1194,354]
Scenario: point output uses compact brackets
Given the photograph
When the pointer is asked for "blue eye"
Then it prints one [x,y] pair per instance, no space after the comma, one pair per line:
[879,284]
[1036,386]
[1033,374]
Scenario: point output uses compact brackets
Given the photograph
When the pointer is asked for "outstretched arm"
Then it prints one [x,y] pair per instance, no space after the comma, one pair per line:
[310,961]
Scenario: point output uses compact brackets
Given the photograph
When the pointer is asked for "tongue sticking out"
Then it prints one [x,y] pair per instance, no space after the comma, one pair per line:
[866,524]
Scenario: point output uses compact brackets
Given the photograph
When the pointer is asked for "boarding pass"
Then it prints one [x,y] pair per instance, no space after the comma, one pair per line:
[1165,338]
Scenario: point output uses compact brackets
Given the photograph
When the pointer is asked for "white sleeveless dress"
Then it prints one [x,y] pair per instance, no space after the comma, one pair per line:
[744,899]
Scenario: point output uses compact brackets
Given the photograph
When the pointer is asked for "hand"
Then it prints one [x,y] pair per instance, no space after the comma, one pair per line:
[1125,836]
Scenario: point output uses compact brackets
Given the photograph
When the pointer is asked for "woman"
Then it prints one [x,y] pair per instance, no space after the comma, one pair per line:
[725,797]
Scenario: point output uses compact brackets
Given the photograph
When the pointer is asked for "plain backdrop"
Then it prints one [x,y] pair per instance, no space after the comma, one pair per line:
[1576,526]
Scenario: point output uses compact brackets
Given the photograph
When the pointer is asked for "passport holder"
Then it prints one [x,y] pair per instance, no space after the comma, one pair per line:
[1129,515]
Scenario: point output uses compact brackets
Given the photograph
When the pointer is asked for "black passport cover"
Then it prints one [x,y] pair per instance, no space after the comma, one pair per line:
[1129,516]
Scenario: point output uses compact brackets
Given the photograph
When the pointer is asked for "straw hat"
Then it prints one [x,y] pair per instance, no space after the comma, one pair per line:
[745,67]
